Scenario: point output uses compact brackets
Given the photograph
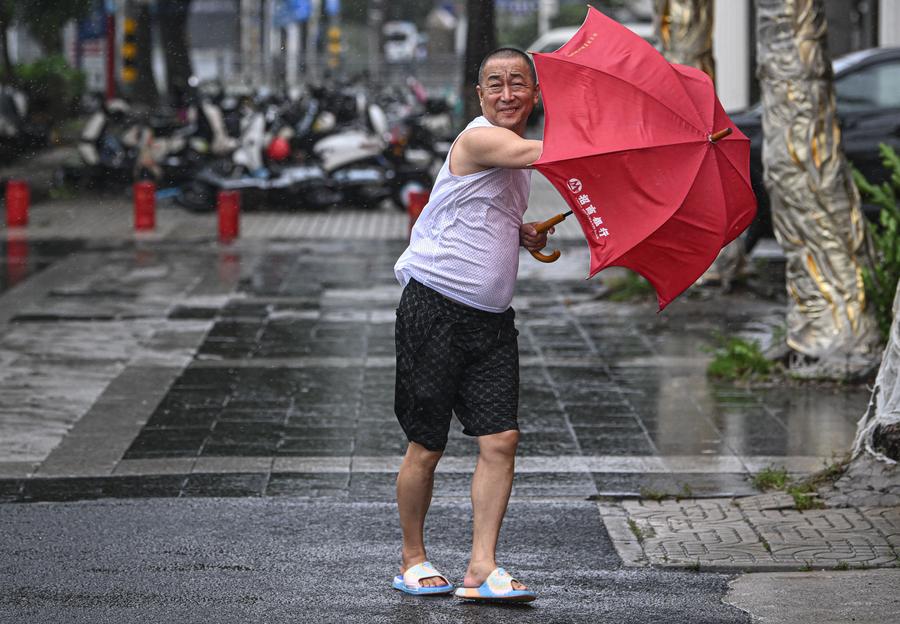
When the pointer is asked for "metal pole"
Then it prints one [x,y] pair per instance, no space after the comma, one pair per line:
[376,21]
[312,37]
[110,56]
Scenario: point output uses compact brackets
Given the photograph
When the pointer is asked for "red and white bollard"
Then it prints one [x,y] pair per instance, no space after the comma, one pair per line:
[229,207]
[18,197]
[415,206]
[144,205]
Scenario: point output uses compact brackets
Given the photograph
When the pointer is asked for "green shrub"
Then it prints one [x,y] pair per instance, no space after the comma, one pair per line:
[53,88]
[628,287]
[881,279]
[739,359]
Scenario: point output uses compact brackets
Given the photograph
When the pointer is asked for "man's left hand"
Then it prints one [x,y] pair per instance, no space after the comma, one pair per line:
[529,237]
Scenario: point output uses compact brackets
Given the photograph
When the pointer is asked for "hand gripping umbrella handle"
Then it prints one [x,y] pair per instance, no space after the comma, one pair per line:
[543,227]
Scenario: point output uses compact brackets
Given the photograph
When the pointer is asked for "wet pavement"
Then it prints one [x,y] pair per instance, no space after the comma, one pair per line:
[254,383]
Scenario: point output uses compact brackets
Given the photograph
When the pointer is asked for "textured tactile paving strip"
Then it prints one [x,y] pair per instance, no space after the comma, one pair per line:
[719,534]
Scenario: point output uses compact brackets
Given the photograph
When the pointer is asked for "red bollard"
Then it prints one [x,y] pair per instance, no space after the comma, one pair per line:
[18,196]
[417,202]
[16,258]
[229,207]
[144,205]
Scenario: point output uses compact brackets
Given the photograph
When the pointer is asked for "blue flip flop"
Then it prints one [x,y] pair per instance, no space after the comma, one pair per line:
[410,581]
[497,588]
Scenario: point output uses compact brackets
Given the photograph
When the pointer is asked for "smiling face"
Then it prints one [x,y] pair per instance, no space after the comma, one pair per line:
[507,92]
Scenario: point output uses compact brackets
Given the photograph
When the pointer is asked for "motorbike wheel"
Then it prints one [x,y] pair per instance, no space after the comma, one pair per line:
[197,196]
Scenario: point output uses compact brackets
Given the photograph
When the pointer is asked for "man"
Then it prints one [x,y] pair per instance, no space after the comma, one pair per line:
[456,341]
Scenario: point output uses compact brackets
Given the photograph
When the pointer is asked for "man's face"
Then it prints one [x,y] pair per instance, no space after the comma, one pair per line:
[507,92]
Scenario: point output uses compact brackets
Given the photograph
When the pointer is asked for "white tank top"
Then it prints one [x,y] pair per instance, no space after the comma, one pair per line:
[465,244]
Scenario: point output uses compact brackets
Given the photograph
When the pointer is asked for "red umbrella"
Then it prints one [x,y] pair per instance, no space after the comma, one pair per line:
[642,150]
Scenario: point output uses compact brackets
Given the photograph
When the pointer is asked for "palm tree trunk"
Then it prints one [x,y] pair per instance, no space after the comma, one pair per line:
[481,38]
[173,29]
[815,205]
[878,432]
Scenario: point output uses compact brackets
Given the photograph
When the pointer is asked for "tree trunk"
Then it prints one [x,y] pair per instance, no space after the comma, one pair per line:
[7,71]
[815,205]
[481,38]
[173,29]
[144,91]
[685,28]
[878,432]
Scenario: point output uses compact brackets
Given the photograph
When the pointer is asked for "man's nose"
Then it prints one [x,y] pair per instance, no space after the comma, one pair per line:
[507,92]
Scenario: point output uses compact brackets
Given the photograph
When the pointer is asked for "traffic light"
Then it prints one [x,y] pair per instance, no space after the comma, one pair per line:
[129,51]
[334,46]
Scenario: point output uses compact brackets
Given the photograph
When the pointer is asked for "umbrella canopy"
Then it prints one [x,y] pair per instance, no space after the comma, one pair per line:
[642,150]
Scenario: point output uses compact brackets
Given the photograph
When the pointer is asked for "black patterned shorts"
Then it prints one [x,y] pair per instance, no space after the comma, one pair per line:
[453,358]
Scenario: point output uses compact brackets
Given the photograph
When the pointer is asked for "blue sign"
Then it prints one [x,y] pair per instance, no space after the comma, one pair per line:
[290,11]
[94,25]
[332,7]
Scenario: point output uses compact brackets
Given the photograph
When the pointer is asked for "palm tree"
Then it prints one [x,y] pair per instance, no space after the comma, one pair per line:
[815,205]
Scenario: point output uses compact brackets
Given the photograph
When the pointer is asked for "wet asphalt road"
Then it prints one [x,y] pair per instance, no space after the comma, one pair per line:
[275,560]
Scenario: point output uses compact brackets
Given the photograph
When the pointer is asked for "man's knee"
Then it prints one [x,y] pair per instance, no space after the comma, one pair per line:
[499,445]
[421,457]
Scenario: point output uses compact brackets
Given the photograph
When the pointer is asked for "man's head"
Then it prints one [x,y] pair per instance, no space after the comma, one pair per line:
[507,88]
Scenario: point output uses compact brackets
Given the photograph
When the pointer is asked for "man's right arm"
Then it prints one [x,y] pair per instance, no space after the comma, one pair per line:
[485,148]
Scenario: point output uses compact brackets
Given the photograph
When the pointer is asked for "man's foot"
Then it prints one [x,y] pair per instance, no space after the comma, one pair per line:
[498,586]
[431,581]
[413,581]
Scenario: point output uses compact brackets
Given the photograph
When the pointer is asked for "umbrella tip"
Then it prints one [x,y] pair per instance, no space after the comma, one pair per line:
[721,134]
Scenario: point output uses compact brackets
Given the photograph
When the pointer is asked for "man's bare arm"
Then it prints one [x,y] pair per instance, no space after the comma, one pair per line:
[486,148]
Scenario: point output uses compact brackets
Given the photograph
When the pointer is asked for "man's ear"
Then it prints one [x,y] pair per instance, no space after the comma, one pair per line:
[537,93]
[478,91]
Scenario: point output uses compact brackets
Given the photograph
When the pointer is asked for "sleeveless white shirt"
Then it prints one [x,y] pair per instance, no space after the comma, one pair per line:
[465,244]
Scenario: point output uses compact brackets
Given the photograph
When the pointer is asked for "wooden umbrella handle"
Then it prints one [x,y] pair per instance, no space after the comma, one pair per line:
[543,227]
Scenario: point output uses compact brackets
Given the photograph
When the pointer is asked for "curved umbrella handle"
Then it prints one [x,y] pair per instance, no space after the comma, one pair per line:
[553,257]
[543,227]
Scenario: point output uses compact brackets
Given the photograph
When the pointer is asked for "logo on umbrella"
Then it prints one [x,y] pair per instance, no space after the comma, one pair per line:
[575,185]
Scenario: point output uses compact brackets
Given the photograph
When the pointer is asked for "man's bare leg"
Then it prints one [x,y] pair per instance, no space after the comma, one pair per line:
[415,482]
[491,485]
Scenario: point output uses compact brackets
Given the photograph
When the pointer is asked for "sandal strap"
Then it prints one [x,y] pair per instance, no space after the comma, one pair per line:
[500,582]
[414,576]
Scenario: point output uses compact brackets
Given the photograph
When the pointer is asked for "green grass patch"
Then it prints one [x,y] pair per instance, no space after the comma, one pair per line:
[654,495]
[638,534]
[770,478]
[736,359]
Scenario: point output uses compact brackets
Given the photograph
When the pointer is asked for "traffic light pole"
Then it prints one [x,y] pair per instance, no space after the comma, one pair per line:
[110,56]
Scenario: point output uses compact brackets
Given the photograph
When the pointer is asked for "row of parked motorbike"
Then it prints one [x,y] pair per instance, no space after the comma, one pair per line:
[309,150]
[19,132]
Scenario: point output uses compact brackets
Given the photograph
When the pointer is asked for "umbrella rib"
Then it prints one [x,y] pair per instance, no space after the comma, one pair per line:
[649,95]
[733,166]
[621,151]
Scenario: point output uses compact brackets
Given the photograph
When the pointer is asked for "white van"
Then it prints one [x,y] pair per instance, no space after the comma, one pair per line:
[555,38]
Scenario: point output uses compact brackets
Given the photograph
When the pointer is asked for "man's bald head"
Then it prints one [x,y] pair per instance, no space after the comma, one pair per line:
[507,52]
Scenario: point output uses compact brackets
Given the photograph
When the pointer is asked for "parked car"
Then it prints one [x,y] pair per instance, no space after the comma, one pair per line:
[553,39]
[867,86]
